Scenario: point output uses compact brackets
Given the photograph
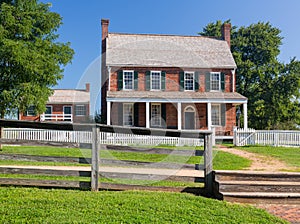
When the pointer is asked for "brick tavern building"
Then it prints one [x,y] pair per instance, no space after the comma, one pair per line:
[169,81]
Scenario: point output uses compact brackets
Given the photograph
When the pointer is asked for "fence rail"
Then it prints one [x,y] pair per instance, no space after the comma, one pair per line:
[105,138]
[57,117]
[266,137]
[96,129]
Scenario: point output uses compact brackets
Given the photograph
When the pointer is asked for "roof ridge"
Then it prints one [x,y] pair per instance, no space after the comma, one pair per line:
[167,35]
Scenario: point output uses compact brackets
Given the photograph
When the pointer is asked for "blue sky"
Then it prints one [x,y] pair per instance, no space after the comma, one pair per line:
[81,25]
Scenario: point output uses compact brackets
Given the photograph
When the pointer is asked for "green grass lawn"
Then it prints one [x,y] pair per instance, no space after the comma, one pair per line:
[222,160]
[289,155]
[32,205]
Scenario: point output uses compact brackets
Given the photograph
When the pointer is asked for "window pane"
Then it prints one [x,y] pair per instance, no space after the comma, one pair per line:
[155,115]
[127,114]
[189,81]
[128,79]
[215,115]
[30,111]
[80,110]
[155,80]
[48,110]
[215,81]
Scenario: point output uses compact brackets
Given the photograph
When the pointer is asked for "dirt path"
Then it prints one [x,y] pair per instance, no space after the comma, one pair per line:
[259,162]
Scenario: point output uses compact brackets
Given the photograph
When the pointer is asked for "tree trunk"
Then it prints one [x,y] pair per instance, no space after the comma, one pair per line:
[1,135]
[1,128]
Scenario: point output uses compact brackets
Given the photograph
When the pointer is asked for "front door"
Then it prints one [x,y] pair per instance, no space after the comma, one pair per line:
[68,112]
[189,120]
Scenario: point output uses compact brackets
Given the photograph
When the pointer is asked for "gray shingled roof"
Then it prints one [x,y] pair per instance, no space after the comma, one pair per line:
[69,96]
[167,51]
[172,95]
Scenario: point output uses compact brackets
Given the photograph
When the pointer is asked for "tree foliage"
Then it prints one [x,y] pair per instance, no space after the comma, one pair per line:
[272,87]
[31,59]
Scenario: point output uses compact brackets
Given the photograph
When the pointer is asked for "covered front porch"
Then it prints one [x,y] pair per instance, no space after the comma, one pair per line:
[180,113]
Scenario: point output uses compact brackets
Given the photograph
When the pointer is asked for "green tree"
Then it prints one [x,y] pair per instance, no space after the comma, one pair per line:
[31,59]
[272,87]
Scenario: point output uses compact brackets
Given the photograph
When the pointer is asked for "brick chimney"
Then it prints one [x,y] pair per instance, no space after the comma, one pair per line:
[104,25]
[87,87]
[225,30]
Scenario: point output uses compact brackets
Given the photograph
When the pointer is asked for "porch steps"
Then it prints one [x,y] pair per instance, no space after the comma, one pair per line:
[258,187]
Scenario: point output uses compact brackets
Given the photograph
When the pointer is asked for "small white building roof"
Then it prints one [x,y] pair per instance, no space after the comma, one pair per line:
[69,96]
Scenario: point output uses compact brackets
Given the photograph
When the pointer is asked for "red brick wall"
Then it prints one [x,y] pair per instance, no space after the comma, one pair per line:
[172,84]
[171,118]
[172,78]
[29,118]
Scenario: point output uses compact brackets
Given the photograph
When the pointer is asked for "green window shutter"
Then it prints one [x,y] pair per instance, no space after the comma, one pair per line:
[207,81]
[120,80]
[163,80]
[136,114]
[120,114]
[222,81]
[147,80]
[164,114]
[223,114]
[136,80]
[197,81]
[181,80]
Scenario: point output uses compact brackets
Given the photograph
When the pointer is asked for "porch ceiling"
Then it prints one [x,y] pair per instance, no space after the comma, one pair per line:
[168,96]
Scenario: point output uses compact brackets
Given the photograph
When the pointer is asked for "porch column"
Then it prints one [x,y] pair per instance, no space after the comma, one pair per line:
[147,115]
[245,116]
[108,109]
[209,116]
[179,124]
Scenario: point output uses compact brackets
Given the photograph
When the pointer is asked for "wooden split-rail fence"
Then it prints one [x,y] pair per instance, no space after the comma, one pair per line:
[95,138]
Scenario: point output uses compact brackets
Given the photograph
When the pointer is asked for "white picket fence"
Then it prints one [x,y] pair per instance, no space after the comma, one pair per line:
[105,138]
[249,136]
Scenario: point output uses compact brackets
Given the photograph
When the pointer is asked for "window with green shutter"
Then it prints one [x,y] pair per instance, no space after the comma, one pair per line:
[223,114]
[163,80]
[120,80]
[136,80]
[197,81]
[181,80]
[147,80]
[136,114]
[222,81]
[164,113]
[214,81]
[218,114]
[207,81]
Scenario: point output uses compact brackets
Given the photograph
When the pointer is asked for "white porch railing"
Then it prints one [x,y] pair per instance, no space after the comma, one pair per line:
[266,137]
[105,138]
[57,117]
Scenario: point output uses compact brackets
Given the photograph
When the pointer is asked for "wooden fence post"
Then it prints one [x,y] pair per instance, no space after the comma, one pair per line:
[208,168]
[95,159]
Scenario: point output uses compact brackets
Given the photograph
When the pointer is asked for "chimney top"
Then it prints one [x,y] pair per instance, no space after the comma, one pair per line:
[87,87]
[225,30]
[104,24]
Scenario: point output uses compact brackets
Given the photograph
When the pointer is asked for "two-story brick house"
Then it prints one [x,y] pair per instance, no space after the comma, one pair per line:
[169,81]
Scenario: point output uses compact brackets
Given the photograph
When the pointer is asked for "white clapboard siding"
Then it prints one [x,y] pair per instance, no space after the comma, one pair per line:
[266,137]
